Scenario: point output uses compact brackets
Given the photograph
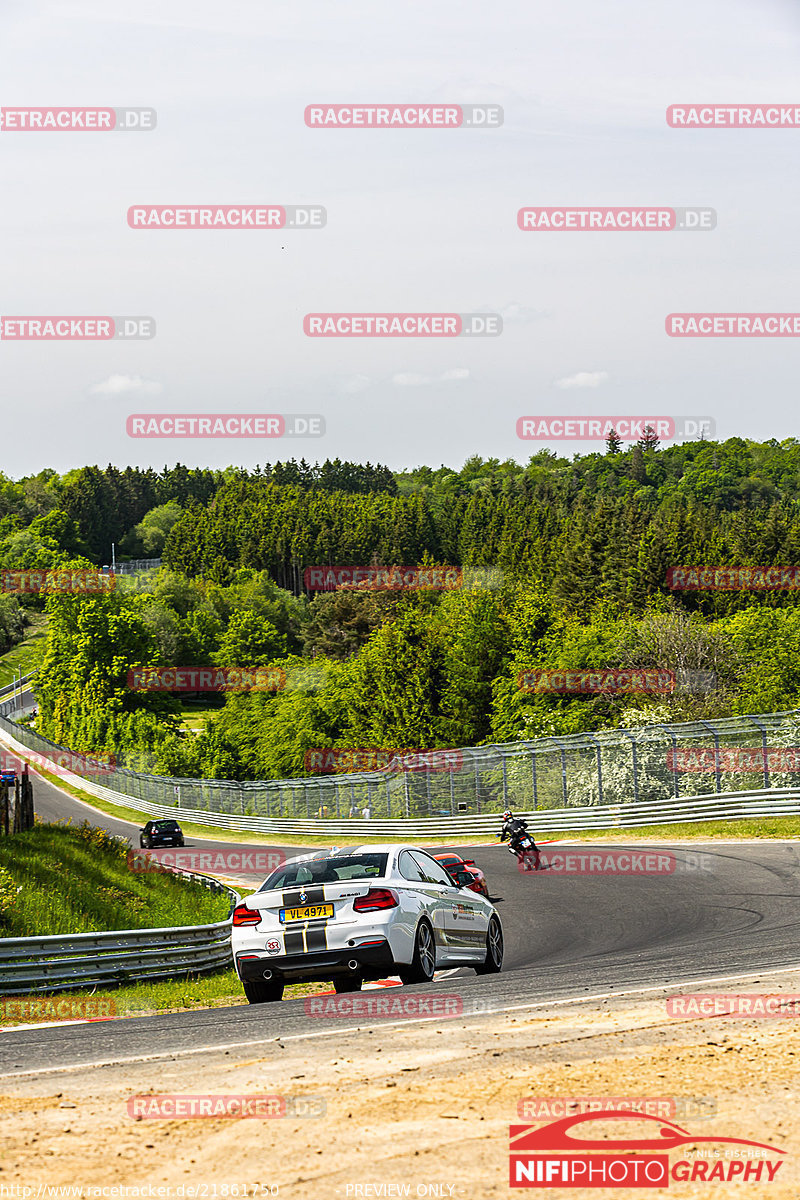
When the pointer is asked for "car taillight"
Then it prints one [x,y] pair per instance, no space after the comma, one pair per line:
[242,915]
[376,898]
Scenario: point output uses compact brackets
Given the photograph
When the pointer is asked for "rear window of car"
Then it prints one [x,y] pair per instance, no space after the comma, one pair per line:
[327,870]
[165,826]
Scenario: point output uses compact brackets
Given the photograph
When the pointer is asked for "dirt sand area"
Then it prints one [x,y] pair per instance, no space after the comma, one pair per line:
[419,1109]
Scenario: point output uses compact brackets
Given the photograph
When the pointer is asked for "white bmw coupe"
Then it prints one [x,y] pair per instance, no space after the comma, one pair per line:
[361,913]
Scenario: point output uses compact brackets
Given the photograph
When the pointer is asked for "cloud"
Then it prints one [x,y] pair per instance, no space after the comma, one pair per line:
[518,314]
[409,379]
[583,379]
[354,384]
[123,385]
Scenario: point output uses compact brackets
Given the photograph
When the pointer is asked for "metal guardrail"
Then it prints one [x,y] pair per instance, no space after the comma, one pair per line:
[627,815]
[10,688]
[615,766]
[134,565]
[54,963]
[704,806]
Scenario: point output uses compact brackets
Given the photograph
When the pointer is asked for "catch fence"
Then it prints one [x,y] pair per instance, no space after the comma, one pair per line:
[644,765]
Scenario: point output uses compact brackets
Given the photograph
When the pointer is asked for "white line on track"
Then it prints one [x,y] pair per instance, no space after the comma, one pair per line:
[336,1032]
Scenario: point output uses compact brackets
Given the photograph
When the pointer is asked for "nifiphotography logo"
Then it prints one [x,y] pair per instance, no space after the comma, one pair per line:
[573,1152]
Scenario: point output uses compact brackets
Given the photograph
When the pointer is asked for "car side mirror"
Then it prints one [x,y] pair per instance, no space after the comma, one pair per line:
[462,879]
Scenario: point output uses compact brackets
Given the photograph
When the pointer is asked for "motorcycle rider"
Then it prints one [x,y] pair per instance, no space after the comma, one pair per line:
[513,830]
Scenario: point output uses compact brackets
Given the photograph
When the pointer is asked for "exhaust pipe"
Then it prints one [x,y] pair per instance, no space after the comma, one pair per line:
[268,974]
[352,965]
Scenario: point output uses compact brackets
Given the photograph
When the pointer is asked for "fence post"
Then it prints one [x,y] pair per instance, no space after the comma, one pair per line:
[763,750]
[675,773]
[635,764]
[563,753]
[717,766]
[592,738]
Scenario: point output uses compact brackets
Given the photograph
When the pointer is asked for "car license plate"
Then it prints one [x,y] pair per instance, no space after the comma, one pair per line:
[309,912]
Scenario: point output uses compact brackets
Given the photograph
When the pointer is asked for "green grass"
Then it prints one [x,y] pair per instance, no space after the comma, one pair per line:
[56,879]
[220,990]
[194,717]
[746,827]
[25,656]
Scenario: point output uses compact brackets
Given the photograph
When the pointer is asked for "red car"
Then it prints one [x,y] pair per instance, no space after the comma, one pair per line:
[453,863]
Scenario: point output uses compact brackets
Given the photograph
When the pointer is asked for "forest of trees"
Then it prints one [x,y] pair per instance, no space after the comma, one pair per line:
[582,548]
[601,527]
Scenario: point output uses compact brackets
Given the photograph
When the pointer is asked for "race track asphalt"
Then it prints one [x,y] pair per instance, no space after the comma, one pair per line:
[724,910]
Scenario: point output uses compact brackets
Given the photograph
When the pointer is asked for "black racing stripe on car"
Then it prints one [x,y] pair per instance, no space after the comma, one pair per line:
[316,938]
[293,942]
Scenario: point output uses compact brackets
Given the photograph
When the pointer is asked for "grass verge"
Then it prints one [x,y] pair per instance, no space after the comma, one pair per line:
[25,656]
[59,880]
[745,827]
[220,990]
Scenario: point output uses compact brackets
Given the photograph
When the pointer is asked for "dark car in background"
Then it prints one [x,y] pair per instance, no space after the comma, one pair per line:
[160,833]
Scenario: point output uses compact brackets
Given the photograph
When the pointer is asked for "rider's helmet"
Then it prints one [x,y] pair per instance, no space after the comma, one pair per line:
[507,815]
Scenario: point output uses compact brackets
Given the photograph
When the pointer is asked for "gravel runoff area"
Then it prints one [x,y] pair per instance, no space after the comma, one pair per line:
[416,1108]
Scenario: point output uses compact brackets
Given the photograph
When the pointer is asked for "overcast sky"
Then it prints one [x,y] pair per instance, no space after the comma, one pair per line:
[418,221]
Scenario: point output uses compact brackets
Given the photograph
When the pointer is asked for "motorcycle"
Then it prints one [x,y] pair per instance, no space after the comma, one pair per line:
[525,852]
